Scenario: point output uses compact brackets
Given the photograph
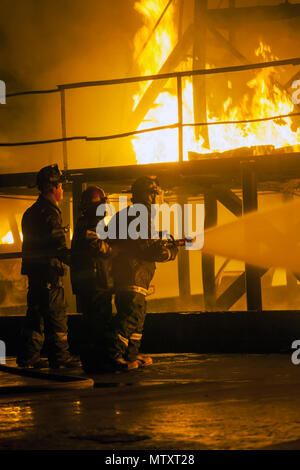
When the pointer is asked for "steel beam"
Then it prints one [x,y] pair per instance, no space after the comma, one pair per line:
[208,261]
[156,86]
[229,200]
[277,167]
[64,127]
[253,284]
[183,262]
[199,54]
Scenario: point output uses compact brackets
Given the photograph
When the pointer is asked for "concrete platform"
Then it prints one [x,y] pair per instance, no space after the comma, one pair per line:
[181,402]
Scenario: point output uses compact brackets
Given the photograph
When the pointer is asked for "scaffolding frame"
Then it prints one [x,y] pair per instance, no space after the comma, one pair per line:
[209,173]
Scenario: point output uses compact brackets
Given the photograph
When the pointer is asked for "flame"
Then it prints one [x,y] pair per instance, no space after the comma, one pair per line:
[159,45]
[264,98]
[8,239]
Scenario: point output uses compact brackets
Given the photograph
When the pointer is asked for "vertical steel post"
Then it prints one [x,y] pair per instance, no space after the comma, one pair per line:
[14,229]
[183,255]
[199,82]
[180,120]
[291,280]
[66,201]
[231,30]
[208,261]
[180,19]
[183,261]
[63,127]
[253,283]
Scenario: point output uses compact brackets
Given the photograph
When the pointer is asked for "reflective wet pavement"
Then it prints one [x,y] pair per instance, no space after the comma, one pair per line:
[182,401]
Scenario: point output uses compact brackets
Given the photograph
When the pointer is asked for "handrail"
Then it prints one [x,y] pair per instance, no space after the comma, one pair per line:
[118,81]
[179,125]
[143,131]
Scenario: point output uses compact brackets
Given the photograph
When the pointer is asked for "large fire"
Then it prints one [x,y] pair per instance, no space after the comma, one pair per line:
[263,99]
[8,239]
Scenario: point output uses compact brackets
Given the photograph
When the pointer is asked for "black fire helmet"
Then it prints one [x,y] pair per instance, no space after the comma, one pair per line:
[48,177]
[145,184]
[92,197]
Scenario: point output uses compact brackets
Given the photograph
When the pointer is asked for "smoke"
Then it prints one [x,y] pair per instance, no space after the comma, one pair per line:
[43,44]
[47,43]
[268,238]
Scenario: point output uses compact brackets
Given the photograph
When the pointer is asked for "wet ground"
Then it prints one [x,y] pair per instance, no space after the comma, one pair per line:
[182,401]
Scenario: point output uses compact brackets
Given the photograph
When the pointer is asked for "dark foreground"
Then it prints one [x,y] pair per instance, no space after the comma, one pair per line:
[182,401]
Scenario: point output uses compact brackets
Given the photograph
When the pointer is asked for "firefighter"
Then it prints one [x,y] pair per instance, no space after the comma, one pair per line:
[91,278]
[133,271]
[44,256]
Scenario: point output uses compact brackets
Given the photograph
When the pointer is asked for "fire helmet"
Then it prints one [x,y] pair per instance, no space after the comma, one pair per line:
[92,197]
[48,177]
[144,185]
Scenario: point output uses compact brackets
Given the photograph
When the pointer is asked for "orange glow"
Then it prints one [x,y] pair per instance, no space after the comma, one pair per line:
[8,239]
[161,43]
[263,99]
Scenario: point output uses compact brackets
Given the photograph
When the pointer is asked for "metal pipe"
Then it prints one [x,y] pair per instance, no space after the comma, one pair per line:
[208,261]
[236,68]
[63,127]
[253,283]
[199,59]
[143,131]
[180,130]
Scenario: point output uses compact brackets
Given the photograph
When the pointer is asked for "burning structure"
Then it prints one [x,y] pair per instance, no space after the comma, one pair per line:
[224,135]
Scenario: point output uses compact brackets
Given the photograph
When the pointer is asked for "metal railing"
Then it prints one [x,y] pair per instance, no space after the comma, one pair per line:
[165,76]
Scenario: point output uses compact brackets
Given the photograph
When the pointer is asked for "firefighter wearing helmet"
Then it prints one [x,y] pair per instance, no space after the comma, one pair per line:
[133,270]
[44,258]
[91,277]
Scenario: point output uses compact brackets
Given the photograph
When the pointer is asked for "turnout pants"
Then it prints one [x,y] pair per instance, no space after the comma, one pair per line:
[96,309]
[45,323]
[128,325]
